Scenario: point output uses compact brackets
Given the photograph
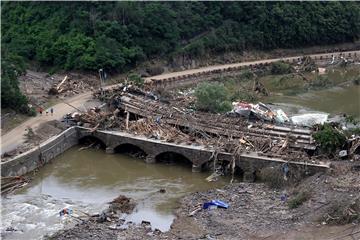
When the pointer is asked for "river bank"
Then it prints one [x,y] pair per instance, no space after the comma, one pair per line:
[255,211]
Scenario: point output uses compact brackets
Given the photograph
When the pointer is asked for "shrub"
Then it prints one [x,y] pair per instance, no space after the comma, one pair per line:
[247,74]
[299,199]
[212,97]
[321,81]
[243,96]
[351,119]
[352,131]
[329,138]
[280,68]
[31,112]
[136,79]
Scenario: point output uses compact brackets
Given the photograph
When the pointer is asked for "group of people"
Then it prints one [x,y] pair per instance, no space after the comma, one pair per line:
[41,110]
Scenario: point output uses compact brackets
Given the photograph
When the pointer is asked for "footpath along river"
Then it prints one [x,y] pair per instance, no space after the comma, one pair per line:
[86,181]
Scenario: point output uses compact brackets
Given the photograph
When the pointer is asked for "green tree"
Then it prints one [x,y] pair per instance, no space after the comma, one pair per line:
[329,138]
[12,66]
[117,35]
[280,68]
[212,97]
[136,79]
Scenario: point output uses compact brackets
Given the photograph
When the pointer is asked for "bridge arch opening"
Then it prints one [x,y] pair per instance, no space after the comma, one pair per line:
[93,142]
[173,158]
[238,172]
[130,150]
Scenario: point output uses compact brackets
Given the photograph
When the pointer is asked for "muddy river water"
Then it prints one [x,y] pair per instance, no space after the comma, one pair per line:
[86,181]
[342,96]
[335,100]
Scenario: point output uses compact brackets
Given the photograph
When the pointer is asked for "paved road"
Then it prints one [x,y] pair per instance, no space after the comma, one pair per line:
[14,138]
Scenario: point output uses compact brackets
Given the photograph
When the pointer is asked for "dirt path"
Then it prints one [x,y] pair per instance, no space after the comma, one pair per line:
[13,138]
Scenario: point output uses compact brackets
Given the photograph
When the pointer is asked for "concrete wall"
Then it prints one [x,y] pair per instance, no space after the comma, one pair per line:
[32,159]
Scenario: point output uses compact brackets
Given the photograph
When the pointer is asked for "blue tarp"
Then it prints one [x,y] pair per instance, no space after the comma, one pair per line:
[217,203]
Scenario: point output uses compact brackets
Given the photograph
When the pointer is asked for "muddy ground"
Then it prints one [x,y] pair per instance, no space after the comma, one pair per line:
[256,211]
[36,85]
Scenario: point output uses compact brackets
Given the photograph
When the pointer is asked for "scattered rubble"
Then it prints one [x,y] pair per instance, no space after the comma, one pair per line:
[70,86]
[39,87]
[10,184]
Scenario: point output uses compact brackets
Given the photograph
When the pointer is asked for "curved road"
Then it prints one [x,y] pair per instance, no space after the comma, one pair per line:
[14,138]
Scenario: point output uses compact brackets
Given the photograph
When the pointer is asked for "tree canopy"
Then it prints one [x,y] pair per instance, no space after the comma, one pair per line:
[117,35]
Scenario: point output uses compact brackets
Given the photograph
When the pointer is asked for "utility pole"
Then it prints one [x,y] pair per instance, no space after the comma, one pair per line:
[102,76]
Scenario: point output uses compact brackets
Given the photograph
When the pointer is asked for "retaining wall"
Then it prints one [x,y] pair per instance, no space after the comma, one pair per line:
[32,159]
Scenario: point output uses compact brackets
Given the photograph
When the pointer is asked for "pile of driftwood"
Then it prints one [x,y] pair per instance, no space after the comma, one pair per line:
[10,184]
[154,129]
[182,115]
[95,118]
[307,64]
[69,86]
[175,120]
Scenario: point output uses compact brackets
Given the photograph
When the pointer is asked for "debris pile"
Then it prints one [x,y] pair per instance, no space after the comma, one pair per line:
[10,184]
[122,204]
[94,118]
[68,85]
[306,64]
[259,111]
[174,120]
[156,130]
[140,112]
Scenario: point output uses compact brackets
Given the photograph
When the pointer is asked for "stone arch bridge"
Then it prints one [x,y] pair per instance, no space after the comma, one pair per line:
[198,156]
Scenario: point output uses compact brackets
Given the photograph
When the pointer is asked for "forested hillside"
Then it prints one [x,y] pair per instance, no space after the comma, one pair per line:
[85,35]
[117,35]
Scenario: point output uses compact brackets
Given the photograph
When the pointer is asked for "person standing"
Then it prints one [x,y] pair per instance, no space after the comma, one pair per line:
[52,111]
[41,110]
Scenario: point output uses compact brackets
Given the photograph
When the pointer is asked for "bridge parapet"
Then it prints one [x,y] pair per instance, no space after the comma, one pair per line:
[197,155]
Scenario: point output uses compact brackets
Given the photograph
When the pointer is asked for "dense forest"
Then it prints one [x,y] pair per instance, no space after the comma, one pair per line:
[118,35]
